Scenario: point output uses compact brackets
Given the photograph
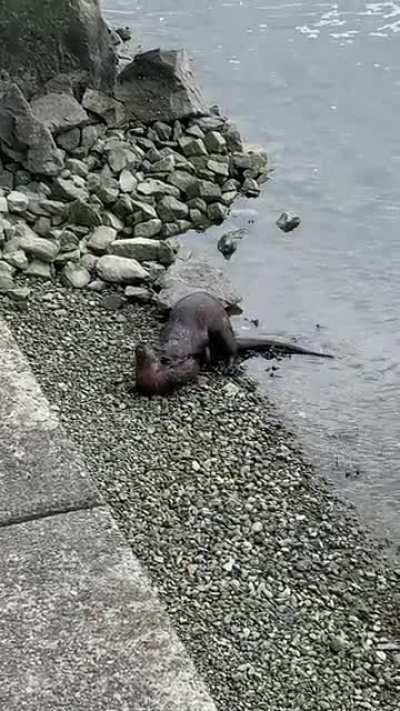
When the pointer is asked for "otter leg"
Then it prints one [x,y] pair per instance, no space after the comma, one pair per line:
[223,344]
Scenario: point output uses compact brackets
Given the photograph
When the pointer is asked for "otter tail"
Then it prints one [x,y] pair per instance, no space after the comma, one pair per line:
[262,343]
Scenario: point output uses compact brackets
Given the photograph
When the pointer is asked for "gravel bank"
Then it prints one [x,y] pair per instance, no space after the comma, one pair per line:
[281,597]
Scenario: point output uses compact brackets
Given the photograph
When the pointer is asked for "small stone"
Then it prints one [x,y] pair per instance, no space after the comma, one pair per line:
[109,109]
[17,201]
[233,139]
[81,213]
[215,143]
[218,168]
[16,258]
[165,165]
[90,135]
[120,270]
[138,294]
[111,220]
[288,222]
[171,209]
[142,212]
[69,140]
[121,157]
[217,212]
[107,190]
[210,192]
[74,255]
[127,181]
[196,466]
[148,229]
[52,207]
[42,226]
[199,219]
[144,250]
[198,204]
[185,182]
[192,146]
[98,285]
[157,187]
[68,240]
[163,130]
[78,167]
[228,198]
[75,275]
[195,131]
[101,239]
[257,527]
[40,269]
[125,33]
[228,242]
[66,189]
[3,204]
[20,293]
[251,188]
[89,261]
[40,248]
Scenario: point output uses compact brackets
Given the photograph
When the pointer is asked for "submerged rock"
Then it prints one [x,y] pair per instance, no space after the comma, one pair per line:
[229,242]
[159,86]
[288,222]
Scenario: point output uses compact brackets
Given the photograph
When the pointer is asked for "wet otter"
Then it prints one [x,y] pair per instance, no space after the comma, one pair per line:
[198,332]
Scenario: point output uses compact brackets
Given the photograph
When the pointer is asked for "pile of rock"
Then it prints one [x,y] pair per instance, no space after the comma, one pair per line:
[89,191]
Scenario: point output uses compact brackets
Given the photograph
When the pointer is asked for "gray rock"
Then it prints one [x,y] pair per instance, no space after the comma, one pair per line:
[185,182]
[16,258]
[155,270]
[144,250]
[119,270]
[170,229]
[111,220]
[78,167]
[163,130]
[233,139]
[208,191]
[42,226]
[138,294]
[52,207]
[20,293]
[148,229]
[68,240]
[220,169]
[63,258]
[98,285]
[40,248]
[199,219]
[228,198]
[288,221]
[251,188]
[101,239]
[215,142]
[107,190]
[253,158]
[157,187]
[21,129]
[127,181]
[123,207]
[59,112]
[192,146]
[89,261]
[66,189]
[69,140]
[229,242]
[183,278]
[159,86]
[165,165]
[6,179]
[74,274]
[3,205]
[40,269]
[81,213]
[171,209]
[195,131]
[109,109]
[67,37]
[121,157]
[90,134]
[217,212]
[17,202]
[142,211]
[6,277]
[198,204]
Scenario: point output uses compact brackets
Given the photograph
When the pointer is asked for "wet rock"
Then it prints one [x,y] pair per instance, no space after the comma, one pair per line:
[127,181]
[59,112]
[171,209]
[229,242]
[251,188]
[81,213]
[21,130]
[253,159]
[75,275]
[144,250]
[138,294]
[125,33]
[17,201]
[101,238]
[215,142]
[228,198]
[288,221]
[183,278]
[69,140]
[199,219]
[148,229]
[217,212]
[120,270]
[108,108]
[70,39]
[159,86]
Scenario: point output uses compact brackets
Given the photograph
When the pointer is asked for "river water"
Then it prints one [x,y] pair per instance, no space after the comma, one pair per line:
[318,85]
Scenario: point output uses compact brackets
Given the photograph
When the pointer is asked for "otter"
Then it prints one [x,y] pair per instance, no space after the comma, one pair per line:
[197,333]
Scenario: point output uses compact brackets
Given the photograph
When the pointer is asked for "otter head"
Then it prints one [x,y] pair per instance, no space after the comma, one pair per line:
[151,378]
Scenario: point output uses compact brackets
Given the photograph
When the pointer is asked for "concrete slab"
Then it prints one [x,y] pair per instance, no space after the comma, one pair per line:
[80,627]
[39,472]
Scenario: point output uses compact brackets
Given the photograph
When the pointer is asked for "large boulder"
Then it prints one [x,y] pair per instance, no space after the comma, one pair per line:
[40,39]
[24,136]
[159,85]
[59,112]
[185,277]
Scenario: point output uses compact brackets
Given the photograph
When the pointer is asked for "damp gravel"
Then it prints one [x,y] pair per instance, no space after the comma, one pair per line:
[282,598]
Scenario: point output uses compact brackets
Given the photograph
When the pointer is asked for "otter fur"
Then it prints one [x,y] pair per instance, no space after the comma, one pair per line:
[197,333]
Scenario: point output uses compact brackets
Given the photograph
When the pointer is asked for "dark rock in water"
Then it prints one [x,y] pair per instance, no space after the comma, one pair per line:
[59,112]
[22,131]
[159,86]
[125,33]
[42,39]
[229,242]
[288,222]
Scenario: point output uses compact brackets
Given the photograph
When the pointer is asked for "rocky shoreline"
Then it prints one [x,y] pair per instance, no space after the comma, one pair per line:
[279,593]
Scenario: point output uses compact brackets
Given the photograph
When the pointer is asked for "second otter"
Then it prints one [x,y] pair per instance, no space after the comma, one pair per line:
[198,332]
